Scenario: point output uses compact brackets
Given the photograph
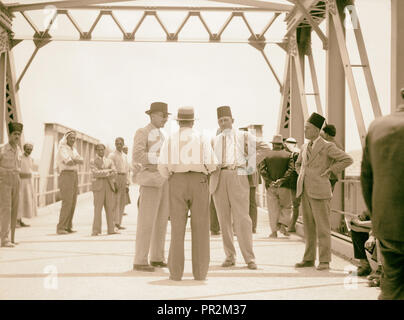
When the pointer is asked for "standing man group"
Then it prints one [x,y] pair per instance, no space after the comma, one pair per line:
[187,159]
[68,161]
[316,162]
[10,166]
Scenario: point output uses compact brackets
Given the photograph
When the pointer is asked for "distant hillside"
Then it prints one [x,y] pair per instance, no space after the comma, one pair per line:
[355,168]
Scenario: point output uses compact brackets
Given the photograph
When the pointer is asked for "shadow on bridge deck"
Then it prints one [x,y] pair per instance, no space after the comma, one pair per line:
[77,266]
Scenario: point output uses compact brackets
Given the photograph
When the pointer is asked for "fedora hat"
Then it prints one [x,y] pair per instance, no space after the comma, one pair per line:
[186,114]
[158,107]
[277,139]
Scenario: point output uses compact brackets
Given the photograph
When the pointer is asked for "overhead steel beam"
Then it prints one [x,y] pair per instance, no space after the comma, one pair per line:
[296,16]
[277,7]
[57,4]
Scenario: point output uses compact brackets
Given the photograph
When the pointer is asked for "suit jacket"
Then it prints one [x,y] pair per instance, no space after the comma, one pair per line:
[146,150]
[245,139]
[382,175]
[275,166]
[101,169]
[325,155]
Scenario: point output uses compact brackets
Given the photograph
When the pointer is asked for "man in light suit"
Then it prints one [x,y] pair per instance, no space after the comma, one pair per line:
[103,172]
[153,192]
[382,175]
[230,187]
[315,163]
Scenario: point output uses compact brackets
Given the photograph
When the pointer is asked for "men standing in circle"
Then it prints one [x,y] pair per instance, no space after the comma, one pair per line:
[238,153]
[122,180]
[10,165]
[274,171]
[68,161]
[315,163]
[187,158]
[103,173]
[382,176]
[153,192]
[291,146]
[27,202]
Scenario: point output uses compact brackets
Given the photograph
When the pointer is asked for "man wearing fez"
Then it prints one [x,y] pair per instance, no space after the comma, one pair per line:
[238,153]
[128,170]
[315,163]
[382,176]
[153,192]
[188,159]
[103,177]
[10,166]
[27,202]
[68,161]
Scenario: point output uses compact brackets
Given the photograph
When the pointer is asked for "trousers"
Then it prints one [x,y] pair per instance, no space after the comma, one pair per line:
[9,197]
[151,224]
[279,207]
[68,185]
[189,191]
[103,198]
[232,200]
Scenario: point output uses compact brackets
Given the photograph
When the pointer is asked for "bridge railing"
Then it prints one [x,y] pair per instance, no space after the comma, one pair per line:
[53,195]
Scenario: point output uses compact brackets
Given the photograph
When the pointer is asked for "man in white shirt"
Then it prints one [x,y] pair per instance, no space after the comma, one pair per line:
[68,161]
[238,153]
[187,158]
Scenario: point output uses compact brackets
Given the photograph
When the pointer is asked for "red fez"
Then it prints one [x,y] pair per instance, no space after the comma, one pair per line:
[224,111]
[316,119]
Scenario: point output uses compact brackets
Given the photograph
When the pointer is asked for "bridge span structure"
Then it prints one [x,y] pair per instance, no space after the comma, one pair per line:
[302,19]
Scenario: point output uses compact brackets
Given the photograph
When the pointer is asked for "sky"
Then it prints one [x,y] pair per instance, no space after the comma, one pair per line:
[103,88]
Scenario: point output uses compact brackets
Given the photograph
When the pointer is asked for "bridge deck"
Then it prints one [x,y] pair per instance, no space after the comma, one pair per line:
[101,267]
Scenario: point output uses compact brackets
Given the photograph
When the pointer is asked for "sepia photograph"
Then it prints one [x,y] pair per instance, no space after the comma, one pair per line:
[202,155]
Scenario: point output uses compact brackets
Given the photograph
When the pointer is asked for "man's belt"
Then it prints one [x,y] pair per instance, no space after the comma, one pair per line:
[25,175]
[121,173]
[232,167]
[68,170]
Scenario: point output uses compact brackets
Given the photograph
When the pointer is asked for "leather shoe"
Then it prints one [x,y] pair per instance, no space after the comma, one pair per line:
[22,224]
[304,264]
[158,264]
[143,267]
[7,245]
[71,230]
[273,235]
[323,266]
[228,263]
[62,232]
[94,234]
[251,265]
[284,231]
[363,271]
[120,227]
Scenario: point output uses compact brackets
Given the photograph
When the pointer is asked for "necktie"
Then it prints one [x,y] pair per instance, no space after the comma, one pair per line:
[223,150]
[309,149]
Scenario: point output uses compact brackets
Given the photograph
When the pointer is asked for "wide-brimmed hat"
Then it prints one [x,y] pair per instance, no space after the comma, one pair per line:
[158,107]
[224,111]
[277,139]
[186,114]
[291,140]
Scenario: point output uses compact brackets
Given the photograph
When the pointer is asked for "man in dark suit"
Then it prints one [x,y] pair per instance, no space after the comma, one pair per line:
[382,176]
[316,162]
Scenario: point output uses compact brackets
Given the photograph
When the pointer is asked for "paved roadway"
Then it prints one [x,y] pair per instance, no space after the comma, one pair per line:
[78,266]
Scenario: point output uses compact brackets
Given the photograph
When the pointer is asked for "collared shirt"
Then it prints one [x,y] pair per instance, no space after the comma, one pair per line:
[26,164]
[186,150]
[230,147]
[64,155]
[120,161]
[314,142]
[10,158]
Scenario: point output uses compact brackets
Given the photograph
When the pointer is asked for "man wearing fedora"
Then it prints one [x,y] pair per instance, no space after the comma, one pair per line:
[238,153]
[315,163]
[153,191]
[10,166]
[274,170]
[187,159]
